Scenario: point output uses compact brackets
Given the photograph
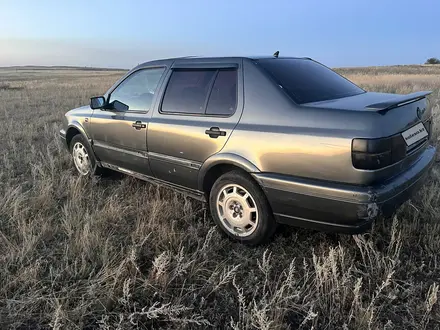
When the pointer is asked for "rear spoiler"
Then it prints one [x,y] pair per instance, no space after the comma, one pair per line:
[398,101]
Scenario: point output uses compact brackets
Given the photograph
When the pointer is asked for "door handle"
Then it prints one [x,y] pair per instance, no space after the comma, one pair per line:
[214,132]
[138,125]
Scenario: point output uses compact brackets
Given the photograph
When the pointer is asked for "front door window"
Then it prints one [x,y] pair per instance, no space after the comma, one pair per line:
[137,90]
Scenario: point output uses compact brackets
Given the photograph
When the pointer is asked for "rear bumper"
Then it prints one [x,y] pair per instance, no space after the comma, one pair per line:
[341,207]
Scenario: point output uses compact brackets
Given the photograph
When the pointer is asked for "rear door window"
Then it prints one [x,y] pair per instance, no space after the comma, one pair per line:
[187,91]
[308,81]
[203,92]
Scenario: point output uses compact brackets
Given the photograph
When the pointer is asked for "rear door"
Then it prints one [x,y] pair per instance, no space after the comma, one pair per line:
[120,138]
[201,105]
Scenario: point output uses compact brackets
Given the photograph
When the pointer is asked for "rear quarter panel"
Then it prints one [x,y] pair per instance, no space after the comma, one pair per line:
[278,136]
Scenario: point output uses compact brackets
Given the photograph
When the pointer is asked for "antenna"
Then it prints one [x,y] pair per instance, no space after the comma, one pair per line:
[276,54]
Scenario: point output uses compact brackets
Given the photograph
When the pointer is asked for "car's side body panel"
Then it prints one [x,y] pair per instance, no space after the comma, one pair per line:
[115,140]
[178,144]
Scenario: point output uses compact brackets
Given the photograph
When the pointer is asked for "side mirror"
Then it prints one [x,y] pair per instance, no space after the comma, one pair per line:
[97,102]
[119,106]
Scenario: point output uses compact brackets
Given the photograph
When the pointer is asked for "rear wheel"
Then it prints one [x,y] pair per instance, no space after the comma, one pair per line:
[240,208]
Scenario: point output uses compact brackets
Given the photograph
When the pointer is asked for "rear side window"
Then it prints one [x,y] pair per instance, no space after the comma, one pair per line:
[223,97]
[210,92]
[308,81]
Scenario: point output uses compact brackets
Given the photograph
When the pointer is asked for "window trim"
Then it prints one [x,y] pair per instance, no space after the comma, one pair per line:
[208,95]
[198,67]
[159,84]
[204,65]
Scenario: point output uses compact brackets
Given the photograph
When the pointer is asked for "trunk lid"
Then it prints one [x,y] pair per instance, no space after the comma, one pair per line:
[397,112]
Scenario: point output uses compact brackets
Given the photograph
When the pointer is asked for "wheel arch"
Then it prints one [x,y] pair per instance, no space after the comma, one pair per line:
[73,129]
[218,164]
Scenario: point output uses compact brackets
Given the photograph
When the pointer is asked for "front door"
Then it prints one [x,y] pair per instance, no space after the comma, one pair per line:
[120,138]
[200,108]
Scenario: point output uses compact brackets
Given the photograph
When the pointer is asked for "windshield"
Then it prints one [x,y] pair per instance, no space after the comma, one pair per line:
[308,81]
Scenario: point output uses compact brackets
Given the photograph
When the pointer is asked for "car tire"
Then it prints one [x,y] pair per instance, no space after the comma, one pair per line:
[240,208]
[83,156]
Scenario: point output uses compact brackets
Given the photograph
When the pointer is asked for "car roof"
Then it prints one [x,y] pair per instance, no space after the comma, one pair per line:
[207,58]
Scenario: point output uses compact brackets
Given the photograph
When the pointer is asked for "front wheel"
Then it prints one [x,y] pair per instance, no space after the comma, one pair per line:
[240,208]
[83,158]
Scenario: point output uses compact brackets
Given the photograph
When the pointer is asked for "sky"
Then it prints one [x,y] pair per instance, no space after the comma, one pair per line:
[124,33]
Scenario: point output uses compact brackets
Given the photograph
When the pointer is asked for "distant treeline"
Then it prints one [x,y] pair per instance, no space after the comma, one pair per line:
[432,60]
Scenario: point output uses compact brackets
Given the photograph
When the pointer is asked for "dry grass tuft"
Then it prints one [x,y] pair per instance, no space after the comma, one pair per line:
[118,253]
[5,86]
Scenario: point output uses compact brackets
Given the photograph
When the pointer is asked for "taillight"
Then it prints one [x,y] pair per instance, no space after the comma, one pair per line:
[371,161]
[373,154]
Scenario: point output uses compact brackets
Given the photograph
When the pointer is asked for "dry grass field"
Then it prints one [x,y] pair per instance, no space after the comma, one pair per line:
[118,253]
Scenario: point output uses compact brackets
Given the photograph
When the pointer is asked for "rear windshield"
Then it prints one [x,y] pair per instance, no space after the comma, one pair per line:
[308,81]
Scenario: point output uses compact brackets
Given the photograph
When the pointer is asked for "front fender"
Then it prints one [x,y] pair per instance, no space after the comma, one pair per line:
[79,127]
[225,159]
